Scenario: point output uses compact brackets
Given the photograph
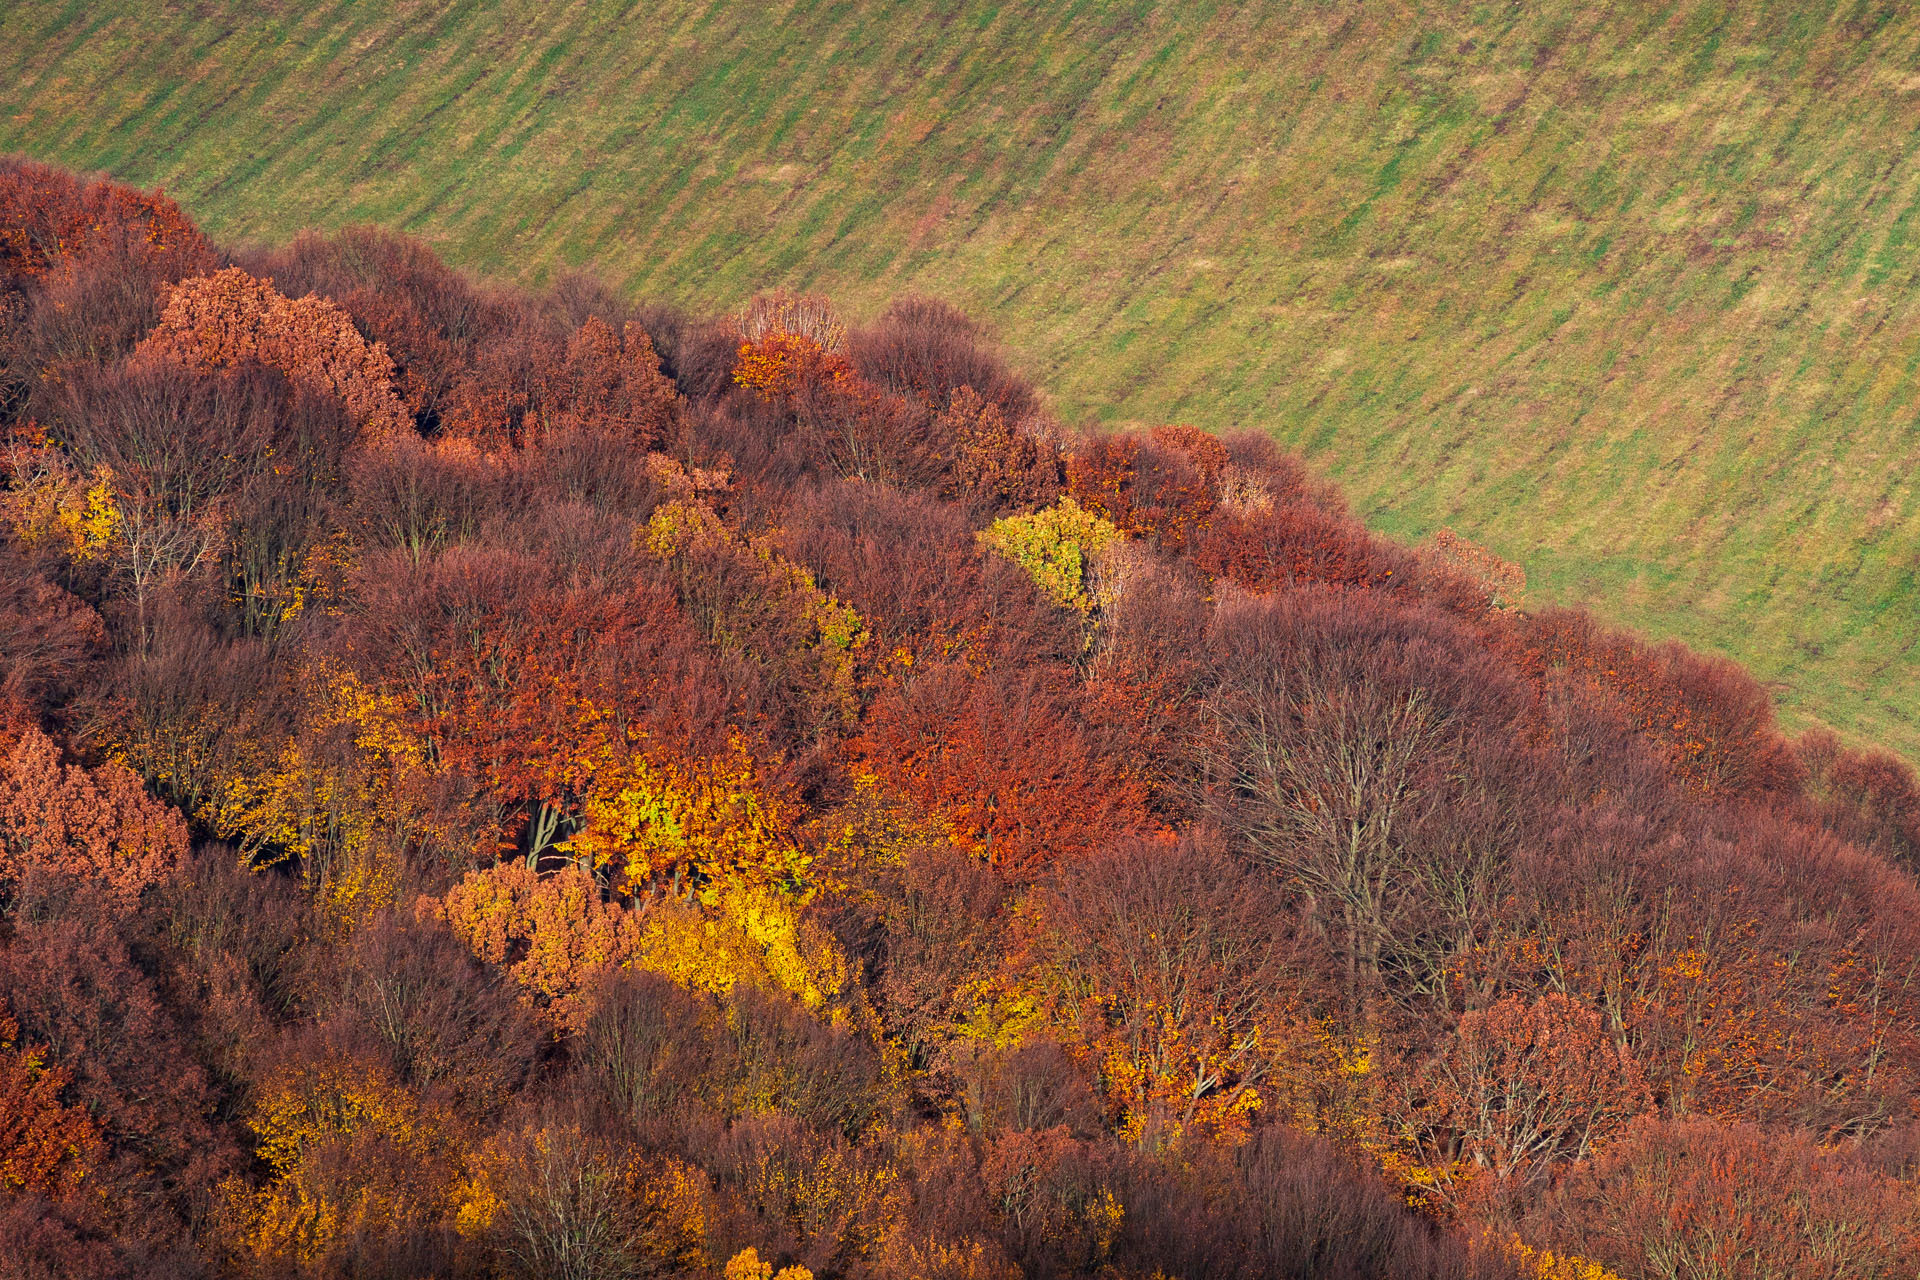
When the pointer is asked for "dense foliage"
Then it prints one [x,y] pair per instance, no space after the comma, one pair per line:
[521,785]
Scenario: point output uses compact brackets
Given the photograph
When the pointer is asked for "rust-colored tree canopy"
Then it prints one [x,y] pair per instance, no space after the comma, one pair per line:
[52,221]
[524,784]
[60,819]
[231,318]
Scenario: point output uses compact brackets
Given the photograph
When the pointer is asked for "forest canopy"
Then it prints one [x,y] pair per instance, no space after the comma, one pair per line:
[532,784]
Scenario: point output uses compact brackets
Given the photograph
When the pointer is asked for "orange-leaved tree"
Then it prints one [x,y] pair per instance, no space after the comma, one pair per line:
[229,318]
[519,678]
[49,219]
[992,462]
[46,1146]
[1003,757]
[529,387]
[98,825]
[1523,1086]
[1163,487]
[554,934]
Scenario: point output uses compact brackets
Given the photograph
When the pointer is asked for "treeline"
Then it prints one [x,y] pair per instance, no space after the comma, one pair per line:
[504,784]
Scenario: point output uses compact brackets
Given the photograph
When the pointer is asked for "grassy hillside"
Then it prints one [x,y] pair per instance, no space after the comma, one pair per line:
[1625,292]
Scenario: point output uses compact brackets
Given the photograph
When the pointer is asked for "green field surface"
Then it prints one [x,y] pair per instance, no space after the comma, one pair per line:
[1626,292]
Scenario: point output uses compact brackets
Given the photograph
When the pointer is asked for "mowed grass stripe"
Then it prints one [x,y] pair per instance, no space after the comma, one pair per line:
[1626,292]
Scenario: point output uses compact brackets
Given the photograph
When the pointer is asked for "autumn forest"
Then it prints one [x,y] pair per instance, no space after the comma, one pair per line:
[528,784]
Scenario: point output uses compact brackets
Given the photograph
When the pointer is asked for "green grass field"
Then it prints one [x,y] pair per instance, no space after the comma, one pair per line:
[1627,293]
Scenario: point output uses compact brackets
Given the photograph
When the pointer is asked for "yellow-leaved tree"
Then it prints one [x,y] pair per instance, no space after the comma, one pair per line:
[655,819]
[746,1265]
[1056,546]
[353,1156]
[562,1200]
[559,939]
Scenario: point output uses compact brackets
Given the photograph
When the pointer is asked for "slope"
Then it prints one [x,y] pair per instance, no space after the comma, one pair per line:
[1625,292]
